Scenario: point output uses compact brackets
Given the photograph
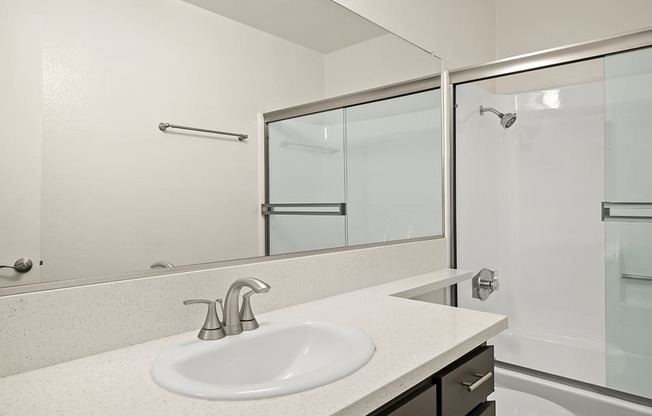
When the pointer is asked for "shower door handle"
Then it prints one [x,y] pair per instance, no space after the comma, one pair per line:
[336,208]
[627,211]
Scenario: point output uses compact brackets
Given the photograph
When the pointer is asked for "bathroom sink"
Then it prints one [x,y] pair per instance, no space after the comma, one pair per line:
[278,358]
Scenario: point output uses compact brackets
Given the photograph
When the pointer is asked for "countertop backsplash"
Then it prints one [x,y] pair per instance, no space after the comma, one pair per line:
[54,326]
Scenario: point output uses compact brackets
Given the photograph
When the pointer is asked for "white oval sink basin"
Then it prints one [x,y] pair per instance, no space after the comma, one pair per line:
[278,358]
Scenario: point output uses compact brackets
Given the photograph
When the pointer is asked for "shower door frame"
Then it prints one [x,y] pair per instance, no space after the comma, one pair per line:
[549,58]
[399,89]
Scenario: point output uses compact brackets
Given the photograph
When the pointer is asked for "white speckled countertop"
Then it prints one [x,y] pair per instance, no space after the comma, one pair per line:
[413,340]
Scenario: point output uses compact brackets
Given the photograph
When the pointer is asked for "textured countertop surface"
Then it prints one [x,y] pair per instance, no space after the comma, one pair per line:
[413,340]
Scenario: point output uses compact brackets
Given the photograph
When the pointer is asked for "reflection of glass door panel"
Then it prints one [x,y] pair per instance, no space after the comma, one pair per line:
[628,221]
[391,147]
[306,166]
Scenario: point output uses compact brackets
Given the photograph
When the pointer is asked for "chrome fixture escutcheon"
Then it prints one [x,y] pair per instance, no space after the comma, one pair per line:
[484,283]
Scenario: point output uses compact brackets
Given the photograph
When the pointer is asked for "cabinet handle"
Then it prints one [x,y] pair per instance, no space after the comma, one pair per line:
[483,378]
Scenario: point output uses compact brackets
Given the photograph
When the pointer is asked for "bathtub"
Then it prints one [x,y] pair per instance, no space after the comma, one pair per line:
[517,403]
[519,394]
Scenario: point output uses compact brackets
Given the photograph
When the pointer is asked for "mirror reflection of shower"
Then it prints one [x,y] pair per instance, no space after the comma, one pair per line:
[506,119]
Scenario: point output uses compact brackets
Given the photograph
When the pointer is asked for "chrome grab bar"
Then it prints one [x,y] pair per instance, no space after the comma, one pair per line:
[635,277]
[608,206]
[164,126]
[272,209]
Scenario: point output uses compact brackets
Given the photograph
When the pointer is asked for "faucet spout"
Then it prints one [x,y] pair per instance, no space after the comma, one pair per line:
[232,323]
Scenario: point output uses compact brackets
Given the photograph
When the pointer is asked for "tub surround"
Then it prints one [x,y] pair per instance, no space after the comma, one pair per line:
[579,402]
[413,340]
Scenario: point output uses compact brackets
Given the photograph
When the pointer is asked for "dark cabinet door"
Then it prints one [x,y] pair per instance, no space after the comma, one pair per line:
[485,409]
[466,383]
[420,400]
[425,404]
[460,389]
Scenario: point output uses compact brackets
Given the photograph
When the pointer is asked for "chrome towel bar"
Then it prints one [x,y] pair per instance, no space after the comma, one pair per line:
[164,126]
[635,277]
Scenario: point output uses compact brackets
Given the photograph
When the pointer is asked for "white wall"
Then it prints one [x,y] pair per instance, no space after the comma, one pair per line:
[470,32]
[118,194]
[381,61]
[461,32]
[524,26]
[528,206]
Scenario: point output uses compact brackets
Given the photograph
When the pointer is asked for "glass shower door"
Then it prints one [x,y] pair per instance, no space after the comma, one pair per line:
[628,221]
[527,206]
[306,201]
[392,174]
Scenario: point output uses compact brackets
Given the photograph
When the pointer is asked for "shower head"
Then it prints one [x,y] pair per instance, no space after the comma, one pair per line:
[506,120]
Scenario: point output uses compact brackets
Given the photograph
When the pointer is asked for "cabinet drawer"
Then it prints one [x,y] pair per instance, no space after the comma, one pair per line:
[420,400]
[467,382]
[425,404]
[485,409]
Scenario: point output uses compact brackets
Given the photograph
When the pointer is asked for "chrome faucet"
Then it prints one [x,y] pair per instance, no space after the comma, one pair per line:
[234,319]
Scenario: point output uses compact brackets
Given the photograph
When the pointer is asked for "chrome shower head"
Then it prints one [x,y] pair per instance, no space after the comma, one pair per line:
[506,119]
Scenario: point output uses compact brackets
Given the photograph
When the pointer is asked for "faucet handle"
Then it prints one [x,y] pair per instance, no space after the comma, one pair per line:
[221,302]
[247,317]
[212,328]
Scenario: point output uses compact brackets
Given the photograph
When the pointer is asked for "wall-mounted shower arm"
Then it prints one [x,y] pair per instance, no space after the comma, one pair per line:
[506,120]
[493,110]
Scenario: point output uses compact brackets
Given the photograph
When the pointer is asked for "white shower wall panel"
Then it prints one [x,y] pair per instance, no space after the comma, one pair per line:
[485,201]
[529,207]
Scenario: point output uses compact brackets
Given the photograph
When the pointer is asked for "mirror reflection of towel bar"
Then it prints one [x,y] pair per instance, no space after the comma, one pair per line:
[309,147]
[165,126]
[635,277]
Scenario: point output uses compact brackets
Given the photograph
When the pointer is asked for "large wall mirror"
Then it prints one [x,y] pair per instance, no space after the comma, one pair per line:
[92,187]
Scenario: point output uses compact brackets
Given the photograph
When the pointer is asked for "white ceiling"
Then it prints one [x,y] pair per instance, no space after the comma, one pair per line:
[321,25]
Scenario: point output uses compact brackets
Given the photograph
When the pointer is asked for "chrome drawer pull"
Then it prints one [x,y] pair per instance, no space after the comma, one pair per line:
[472,386]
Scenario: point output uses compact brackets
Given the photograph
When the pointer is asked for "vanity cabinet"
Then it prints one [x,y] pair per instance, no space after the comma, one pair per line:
[419,400]
[460,389]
